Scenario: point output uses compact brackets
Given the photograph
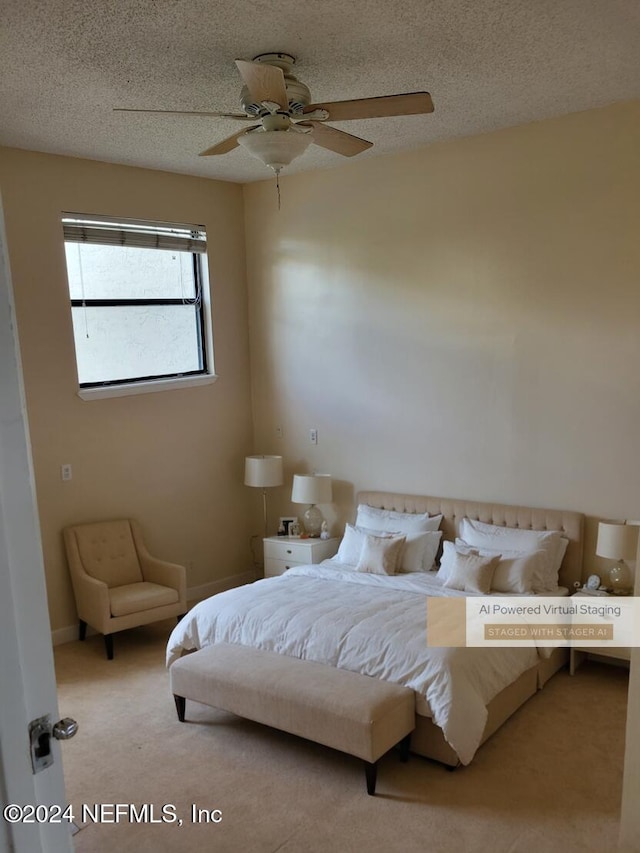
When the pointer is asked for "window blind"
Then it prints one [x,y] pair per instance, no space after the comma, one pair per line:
[143,235]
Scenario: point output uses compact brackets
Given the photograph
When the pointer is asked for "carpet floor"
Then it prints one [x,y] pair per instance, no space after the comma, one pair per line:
[549,780]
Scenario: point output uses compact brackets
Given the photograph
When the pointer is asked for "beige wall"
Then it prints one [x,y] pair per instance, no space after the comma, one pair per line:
[461,320]
[173,459]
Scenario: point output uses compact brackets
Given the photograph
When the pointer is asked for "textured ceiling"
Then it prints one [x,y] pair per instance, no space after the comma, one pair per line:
[64,64]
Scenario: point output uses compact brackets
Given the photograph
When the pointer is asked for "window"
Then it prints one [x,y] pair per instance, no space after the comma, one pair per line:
[137,301]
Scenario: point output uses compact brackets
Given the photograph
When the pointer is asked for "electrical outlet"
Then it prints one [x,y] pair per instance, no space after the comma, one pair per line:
[313,436]
[65,472]
[279,432]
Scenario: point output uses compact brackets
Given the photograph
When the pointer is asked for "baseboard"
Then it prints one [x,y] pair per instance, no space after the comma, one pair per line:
[194,594]
[67,635]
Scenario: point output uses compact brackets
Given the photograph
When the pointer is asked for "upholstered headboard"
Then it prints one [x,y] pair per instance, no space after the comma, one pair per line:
[529,518]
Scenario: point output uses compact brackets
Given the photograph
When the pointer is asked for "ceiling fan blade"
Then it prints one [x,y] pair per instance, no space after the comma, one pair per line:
[265,82]
[227,144]
[337,140]
[240,116]
[414,103]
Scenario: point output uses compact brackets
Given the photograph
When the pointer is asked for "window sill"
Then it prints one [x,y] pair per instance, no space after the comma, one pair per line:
[149,387]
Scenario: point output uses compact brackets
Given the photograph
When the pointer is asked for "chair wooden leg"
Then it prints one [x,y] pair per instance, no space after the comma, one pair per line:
[181,704]
[108,645]
[371,773]
[82,629]
[405,745]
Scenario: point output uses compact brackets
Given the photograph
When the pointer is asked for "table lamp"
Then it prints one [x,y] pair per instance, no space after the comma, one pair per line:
[263,472]
[618,542]
[312,489]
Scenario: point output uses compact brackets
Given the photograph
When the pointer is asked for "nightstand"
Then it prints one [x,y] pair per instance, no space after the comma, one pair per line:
[618,655]
[284,552]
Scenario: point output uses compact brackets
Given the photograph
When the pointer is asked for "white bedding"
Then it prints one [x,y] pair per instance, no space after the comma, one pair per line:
[372,624]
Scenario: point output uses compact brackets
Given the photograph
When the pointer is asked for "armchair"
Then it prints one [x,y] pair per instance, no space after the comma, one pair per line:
[116,582]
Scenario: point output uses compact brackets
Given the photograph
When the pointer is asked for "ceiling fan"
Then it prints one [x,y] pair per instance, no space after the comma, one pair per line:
[287,120]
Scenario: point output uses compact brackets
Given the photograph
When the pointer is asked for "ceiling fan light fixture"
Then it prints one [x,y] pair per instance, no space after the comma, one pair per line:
[286,119]
[275,148]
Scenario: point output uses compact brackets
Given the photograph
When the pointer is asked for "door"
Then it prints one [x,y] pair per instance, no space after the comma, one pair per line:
[27,680]
[630,817]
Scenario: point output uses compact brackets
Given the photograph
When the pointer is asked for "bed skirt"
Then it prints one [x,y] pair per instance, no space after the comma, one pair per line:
[428,740]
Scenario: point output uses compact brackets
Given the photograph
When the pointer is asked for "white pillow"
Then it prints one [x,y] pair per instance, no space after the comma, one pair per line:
[477,534]
[351,546]
[380,554]
[418,554]
[515,571]
[471,572]
[562,550]
[420,551]
[448,558]
[395,522]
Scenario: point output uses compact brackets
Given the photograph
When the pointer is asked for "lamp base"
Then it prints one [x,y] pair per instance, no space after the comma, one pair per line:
[312,519]
[620,579]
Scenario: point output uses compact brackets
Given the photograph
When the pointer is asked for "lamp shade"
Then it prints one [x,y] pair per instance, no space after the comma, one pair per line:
[311,489]
[263,471]
[617,541]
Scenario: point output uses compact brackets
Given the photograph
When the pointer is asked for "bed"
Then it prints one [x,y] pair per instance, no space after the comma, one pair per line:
[377,626]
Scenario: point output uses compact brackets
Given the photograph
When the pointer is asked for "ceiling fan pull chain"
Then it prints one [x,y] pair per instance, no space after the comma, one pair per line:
[278,188]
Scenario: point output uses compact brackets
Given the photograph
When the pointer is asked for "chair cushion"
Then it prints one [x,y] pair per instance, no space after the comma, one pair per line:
[108,552]
[136,597]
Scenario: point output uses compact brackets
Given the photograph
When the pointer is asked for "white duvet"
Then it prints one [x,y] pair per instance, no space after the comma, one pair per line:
[372,624]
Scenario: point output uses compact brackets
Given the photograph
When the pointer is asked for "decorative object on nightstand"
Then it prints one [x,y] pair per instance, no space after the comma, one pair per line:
[324,531]
[294,530]
[284,528]
[284,552]
[263,472]
[618,542]
[312,489]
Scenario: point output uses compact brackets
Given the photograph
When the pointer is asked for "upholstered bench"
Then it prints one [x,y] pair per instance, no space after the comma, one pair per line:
[353,713]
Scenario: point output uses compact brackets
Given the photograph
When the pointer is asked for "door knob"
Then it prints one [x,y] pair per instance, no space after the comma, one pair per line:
[40,733]
[64,728]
